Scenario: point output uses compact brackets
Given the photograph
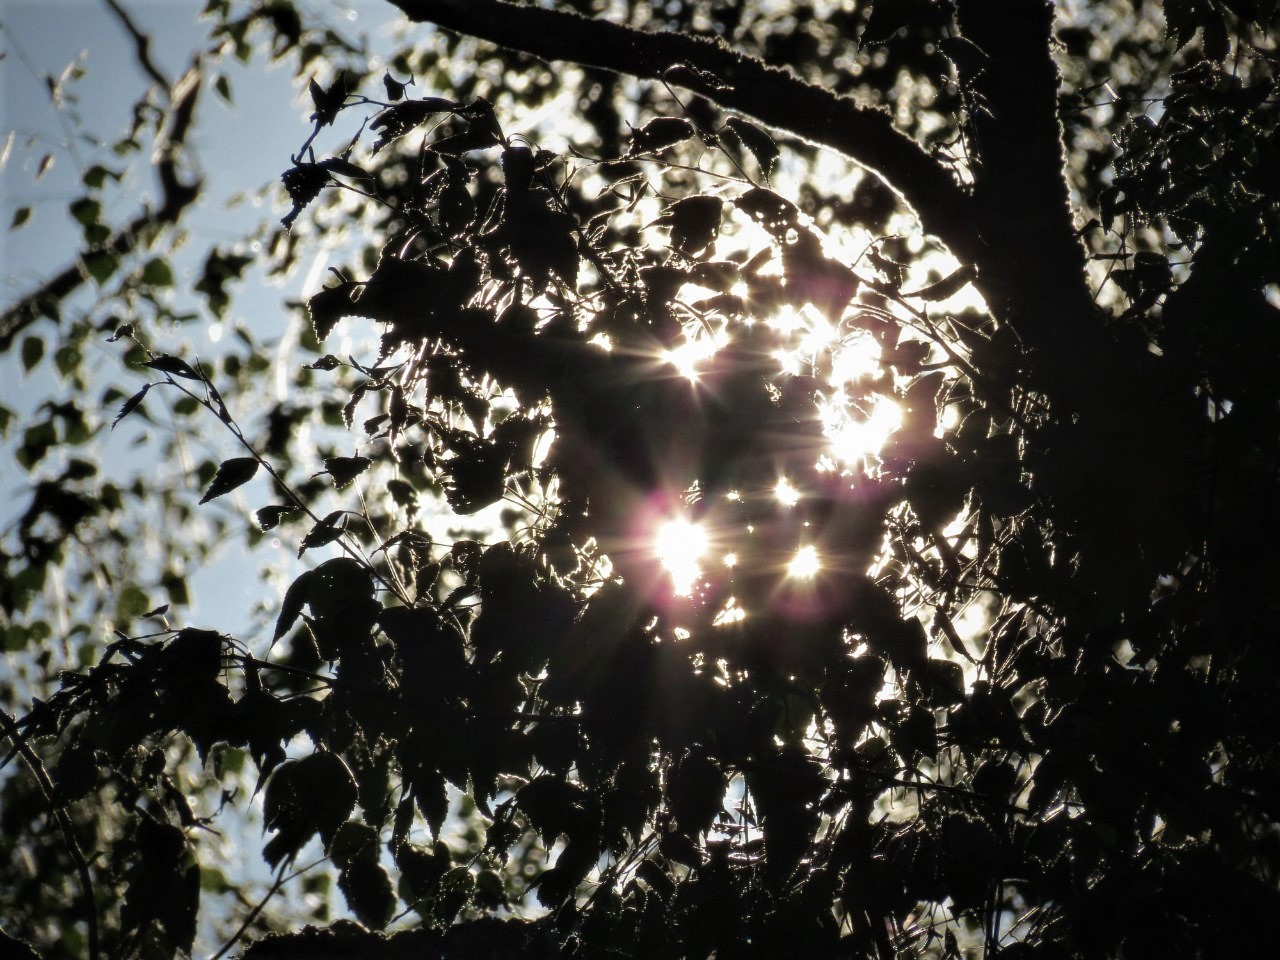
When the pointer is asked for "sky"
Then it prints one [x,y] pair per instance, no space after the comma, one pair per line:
[239,147]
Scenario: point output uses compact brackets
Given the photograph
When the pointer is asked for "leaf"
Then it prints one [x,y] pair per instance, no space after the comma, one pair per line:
[269,517]
[130,405]
[395,88]
[32,352]
[354,841]
[101,264]
[343,470]
[20,216]
[694,223]
[327,791]
[345,168]
[368,891]
[758,142]
[45,165]
[86,211]
[231,474]
[157,273]
[397,120]
[328,307]
[291,606]
[328,102]
[660,133]
[172,365]
[774,213]
[326,531]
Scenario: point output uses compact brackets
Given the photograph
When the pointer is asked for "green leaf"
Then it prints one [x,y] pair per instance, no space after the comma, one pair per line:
[101,264]
[231,474]
[157,273]
[32,352]
[86,211]
[20,217]
[222,87]
[97,175]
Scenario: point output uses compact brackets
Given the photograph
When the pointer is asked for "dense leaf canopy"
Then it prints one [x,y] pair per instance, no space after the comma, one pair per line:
[784,479]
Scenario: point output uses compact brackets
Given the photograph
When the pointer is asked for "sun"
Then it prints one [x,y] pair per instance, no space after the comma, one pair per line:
[679,544]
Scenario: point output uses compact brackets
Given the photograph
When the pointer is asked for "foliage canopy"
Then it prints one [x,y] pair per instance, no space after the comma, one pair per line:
[869,565]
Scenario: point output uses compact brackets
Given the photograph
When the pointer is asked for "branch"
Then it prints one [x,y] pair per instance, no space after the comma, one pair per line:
[142,45]
[773,96]
[1022,203]
[176,194]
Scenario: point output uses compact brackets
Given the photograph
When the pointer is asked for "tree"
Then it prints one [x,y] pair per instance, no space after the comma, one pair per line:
[877,569]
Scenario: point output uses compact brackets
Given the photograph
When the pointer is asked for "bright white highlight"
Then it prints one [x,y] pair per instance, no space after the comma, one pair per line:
[854,440]
[857,357]
[804,565]
[785,493]
[680,546]
[687,357]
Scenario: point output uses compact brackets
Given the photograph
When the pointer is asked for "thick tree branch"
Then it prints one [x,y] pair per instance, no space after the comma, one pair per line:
[1036,277]
[775,97]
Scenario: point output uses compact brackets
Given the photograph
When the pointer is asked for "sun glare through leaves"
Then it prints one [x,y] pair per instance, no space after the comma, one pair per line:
[680,546]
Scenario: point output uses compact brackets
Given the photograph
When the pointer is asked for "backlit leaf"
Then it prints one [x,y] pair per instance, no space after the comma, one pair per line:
[231,474]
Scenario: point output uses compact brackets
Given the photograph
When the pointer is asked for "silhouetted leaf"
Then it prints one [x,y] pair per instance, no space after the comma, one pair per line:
[660,133]
[758,142]
[231,474]
[343,470]
[368,892]
[172,365]
[130,405]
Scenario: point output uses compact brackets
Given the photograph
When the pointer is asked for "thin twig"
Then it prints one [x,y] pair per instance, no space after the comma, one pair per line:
[142,44]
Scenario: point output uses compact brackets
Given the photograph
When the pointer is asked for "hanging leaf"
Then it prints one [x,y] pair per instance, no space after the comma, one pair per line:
[130,405]
[231,474]
[291,606]
[758,142]
[269,517]
[368,891]
[20,216]
[394,122]
[32,352]
[172,365]
[694,223]
[395,88]
[660,133]
[326,531]
[328,307]
[345,469]
[328,102]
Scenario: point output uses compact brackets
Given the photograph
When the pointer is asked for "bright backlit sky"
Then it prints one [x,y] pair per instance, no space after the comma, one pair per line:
[239,148]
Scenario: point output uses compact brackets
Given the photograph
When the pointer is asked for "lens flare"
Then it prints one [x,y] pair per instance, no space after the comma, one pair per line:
[805,564]
[680,546]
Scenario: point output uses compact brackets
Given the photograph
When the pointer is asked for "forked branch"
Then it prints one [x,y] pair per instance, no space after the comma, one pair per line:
[736,82]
